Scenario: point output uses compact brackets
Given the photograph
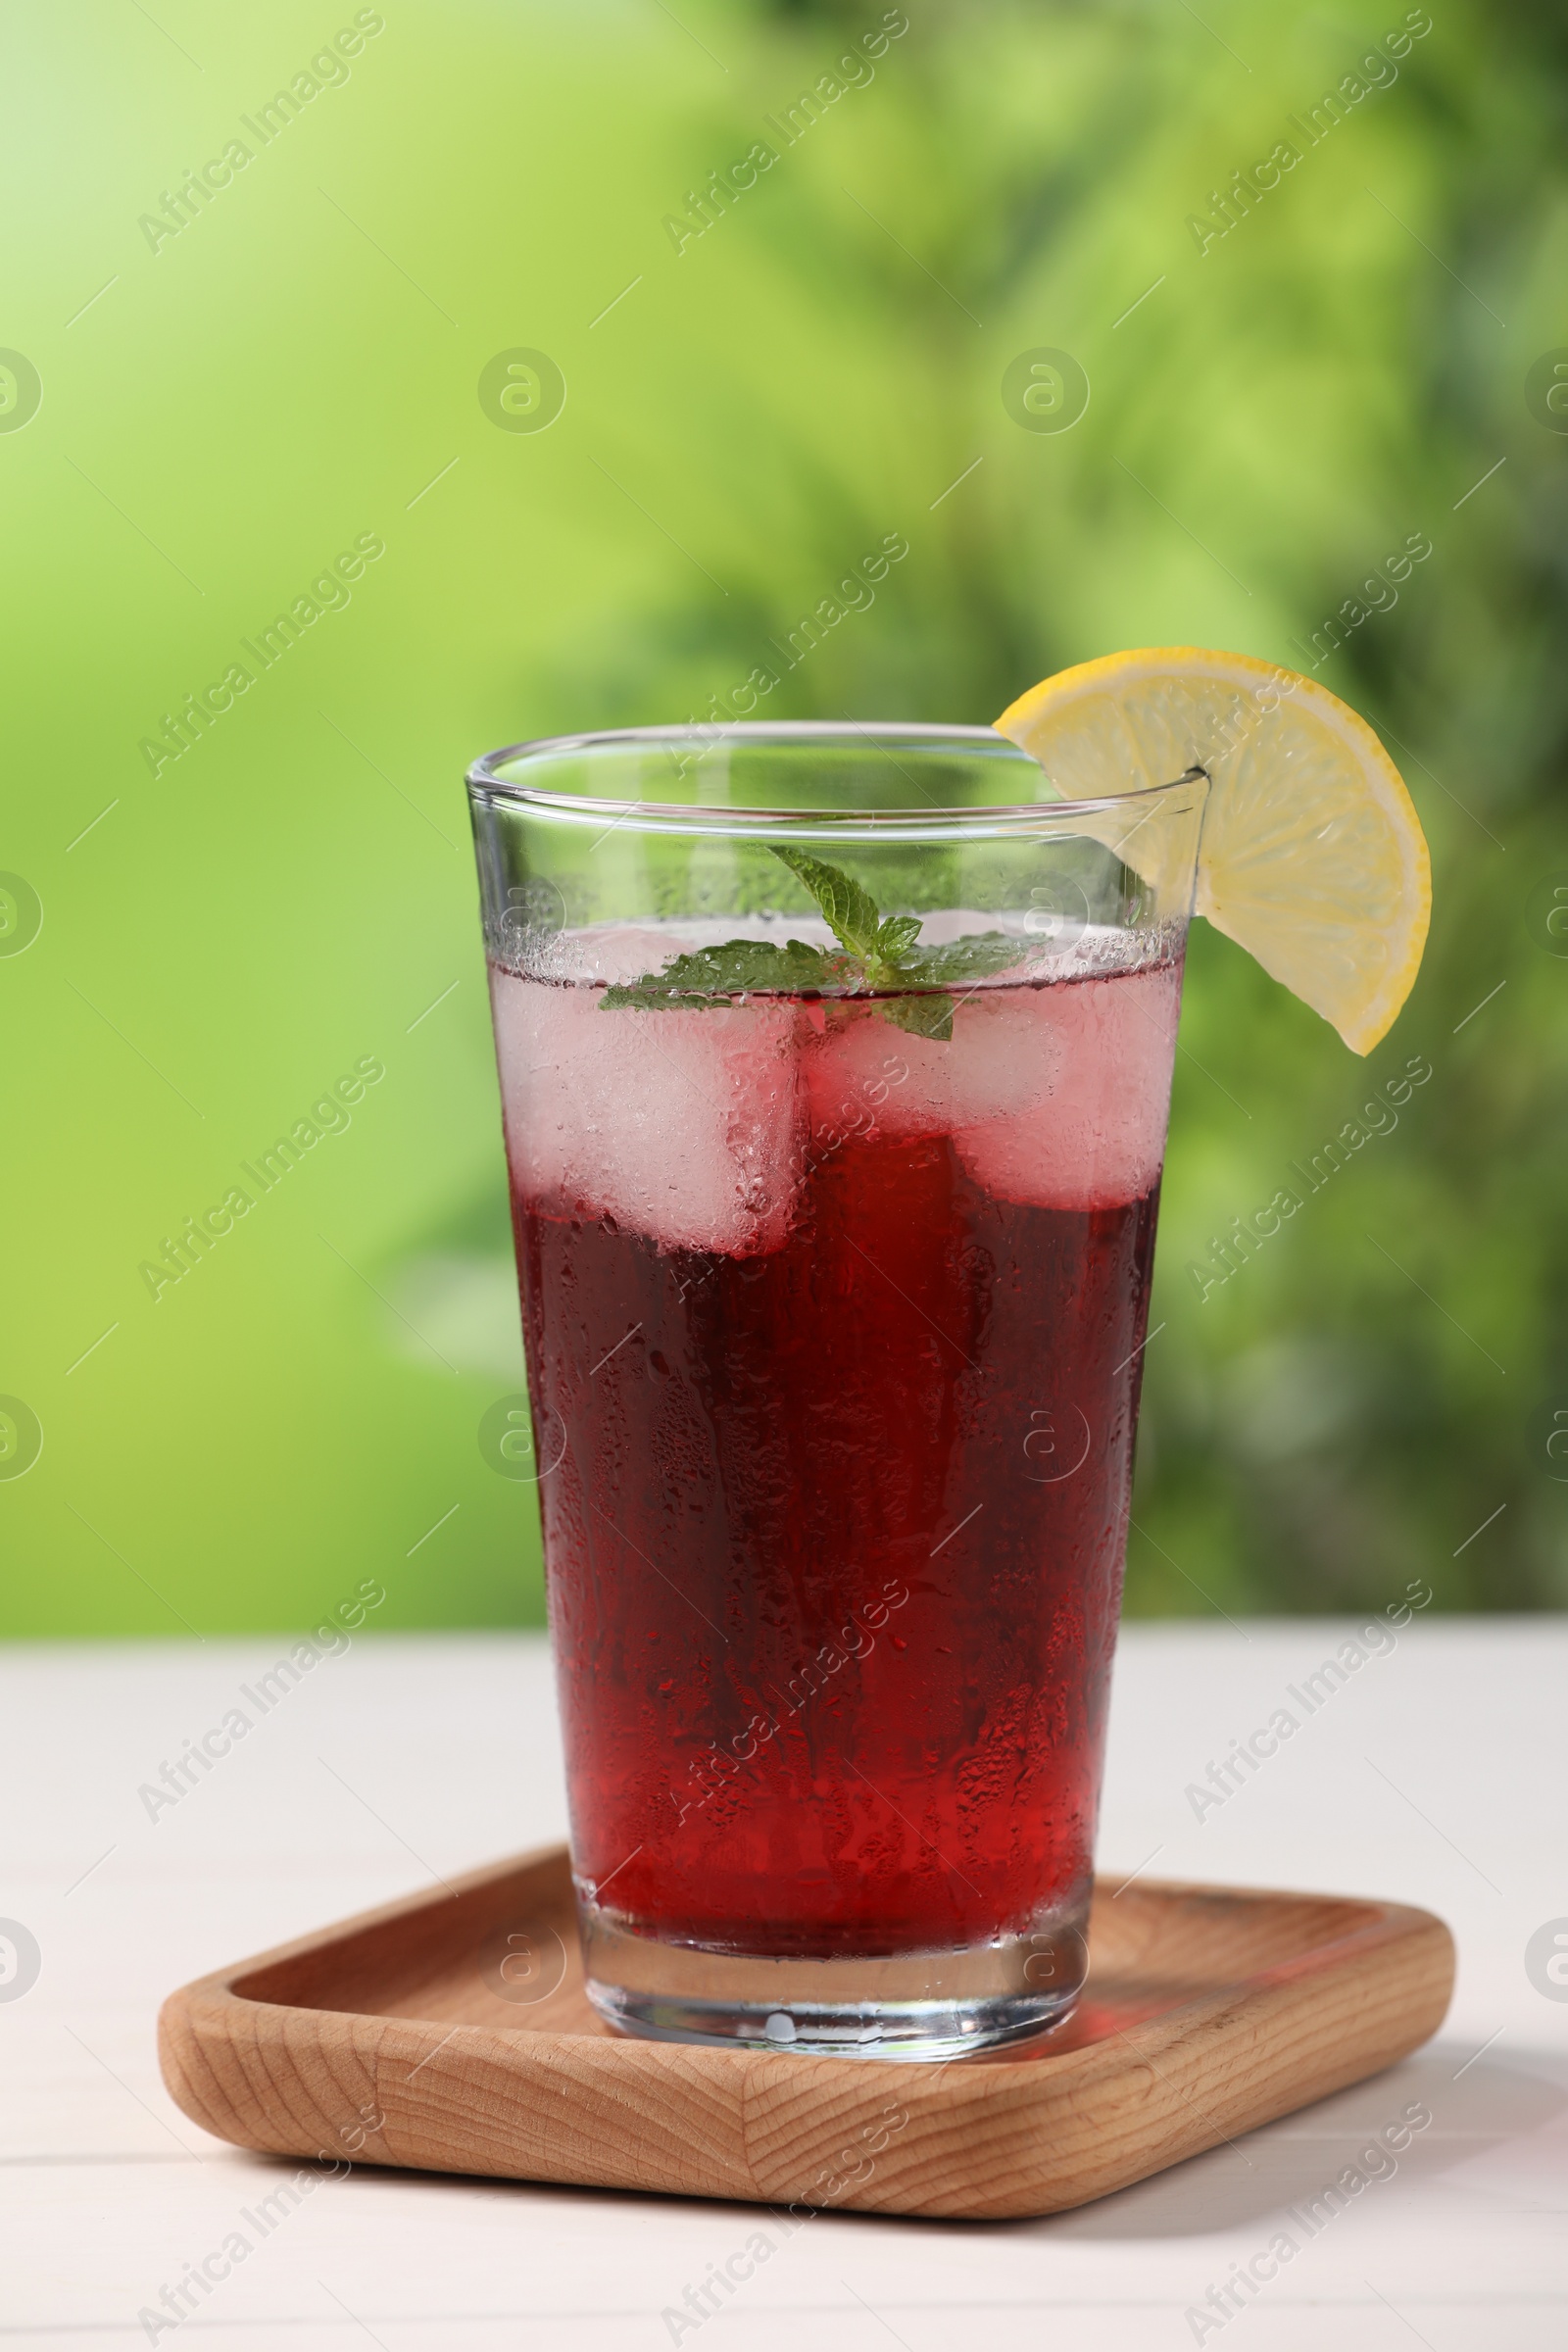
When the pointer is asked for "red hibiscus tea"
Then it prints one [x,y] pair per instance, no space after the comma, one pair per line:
[834,1239]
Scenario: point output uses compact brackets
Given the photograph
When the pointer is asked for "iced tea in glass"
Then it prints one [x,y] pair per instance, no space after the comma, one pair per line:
[835,1065]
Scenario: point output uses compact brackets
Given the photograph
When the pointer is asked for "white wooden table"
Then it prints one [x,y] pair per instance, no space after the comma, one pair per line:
[1438,1774]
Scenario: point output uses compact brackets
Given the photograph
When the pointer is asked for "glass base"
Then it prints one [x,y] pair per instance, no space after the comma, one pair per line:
[914,2006]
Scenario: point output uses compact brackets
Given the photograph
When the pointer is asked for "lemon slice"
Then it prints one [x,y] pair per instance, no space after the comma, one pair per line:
[1312,856]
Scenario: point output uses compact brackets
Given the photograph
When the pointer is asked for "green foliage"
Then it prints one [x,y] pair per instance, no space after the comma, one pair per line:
[1272,418]
[797,416]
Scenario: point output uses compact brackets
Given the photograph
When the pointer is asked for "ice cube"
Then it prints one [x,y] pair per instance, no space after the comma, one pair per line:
[869,1073]
[681,1125]
[1100,1137]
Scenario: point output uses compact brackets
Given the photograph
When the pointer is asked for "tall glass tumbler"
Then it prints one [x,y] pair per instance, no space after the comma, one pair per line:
[835,1065]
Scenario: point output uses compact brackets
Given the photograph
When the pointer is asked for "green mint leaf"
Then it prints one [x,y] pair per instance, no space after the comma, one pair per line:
[972,958]
[895,935]
[922,1016]
[713,975]
[850,912]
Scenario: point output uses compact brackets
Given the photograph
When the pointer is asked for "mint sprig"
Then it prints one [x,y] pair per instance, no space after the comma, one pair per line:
[740,967]
[879,957]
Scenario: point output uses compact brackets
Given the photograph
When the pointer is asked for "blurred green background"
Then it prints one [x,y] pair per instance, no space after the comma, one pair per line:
[1365,356]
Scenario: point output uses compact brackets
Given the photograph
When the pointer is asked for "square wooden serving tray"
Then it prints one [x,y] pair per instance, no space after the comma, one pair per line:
[451,2032]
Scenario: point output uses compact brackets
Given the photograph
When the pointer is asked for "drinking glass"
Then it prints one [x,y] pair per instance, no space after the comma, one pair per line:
[834,1235]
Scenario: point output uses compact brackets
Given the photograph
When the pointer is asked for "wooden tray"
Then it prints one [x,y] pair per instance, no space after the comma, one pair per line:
[452,2033]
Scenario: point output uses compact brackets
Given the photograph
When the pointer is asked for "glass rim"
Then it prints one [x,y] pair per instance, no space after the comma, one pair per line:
[486,787]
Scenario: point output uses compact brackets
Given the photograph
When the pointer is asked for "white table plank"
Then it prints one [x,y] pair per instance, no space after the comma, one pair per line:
[1436,1773]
